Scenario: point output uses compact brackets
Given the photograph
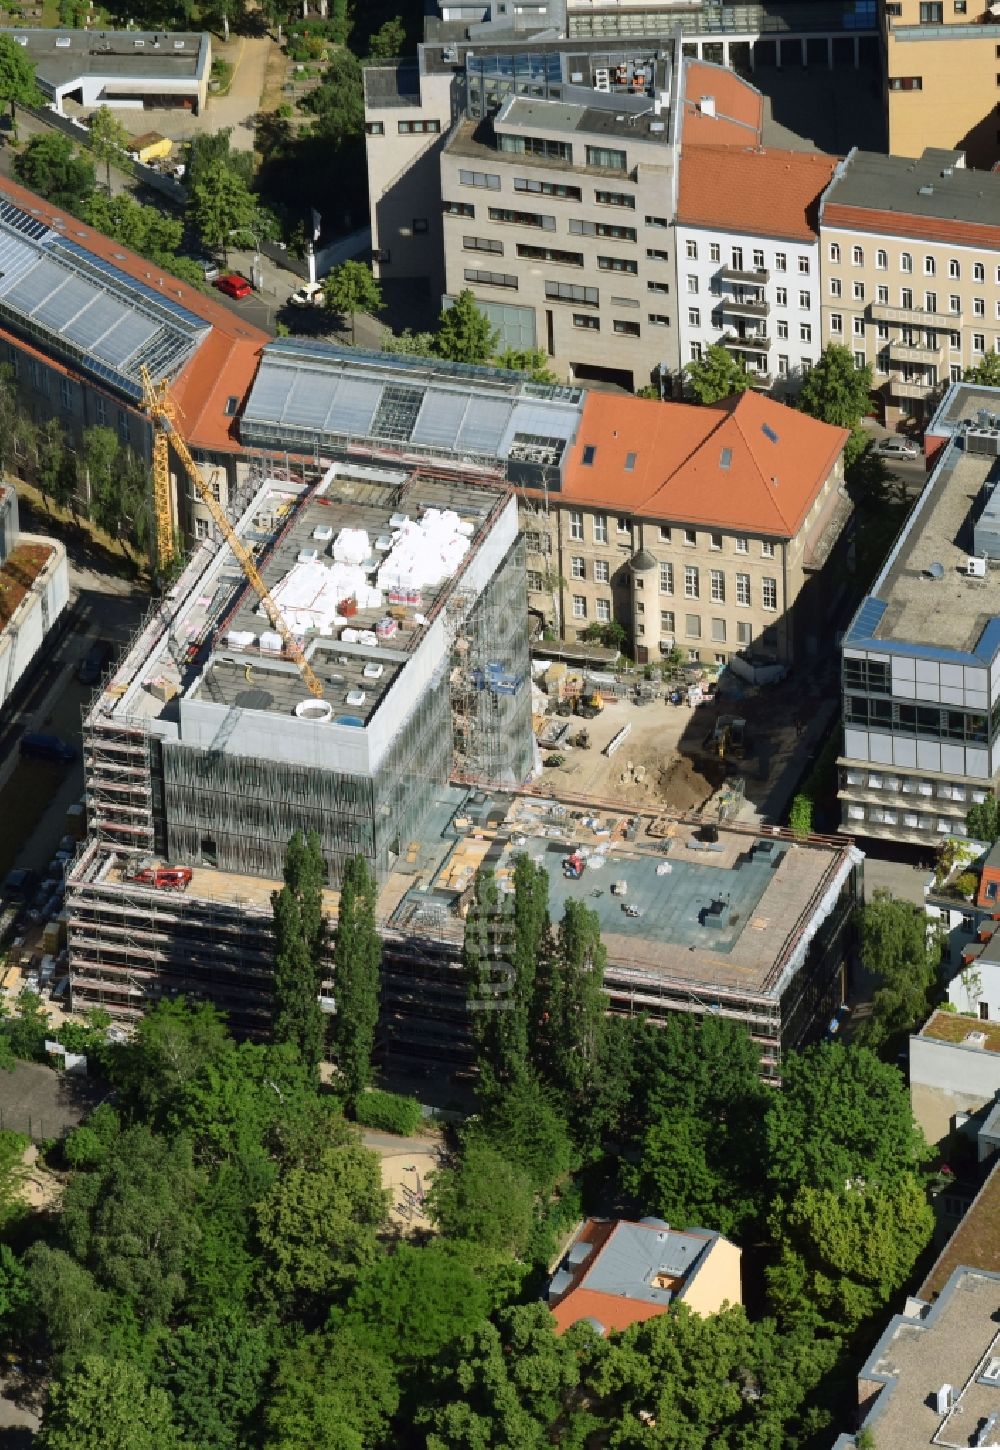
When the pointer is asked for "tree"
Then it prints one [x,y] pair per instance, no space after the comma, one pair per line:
[219,203]
[331,1394]
[681,1179]
[298,940]
[484,1201]
[174,1042]
[983,820]
[523,1123]
[569,1004]
[338,102]
[357,960]
[986,372]
[317,1227]
[464,332]
[837,392]
[716,375]
[209,150]
[67,1308]
[350,289]
[109,139]
[410,344]
[800,817]
[419,1301]
[50,165]
[107,1403]
[18,86]
[56,464]
[904,956]
[532,361]
[214,1373]
[389,40]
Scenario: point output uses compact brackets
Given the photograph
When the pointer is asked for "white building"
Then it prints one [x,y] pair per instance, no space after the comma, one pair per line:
[747,257]
[35,571]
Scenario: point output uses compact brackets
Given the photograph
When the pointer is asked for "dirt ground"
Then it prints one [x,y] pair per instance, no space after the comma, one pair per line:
[663,761]
[406,1175]
[38,1188]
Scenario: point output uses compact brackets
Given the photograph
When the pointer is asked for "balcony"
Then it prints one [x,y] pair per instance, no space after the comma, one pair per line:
[906,352]
[738,307]
[914,317]
[753,342]
[919,391]
[755,277]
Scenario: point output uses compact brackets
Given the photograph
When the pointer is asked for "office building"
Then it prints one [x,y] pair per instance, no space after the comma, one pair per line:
[748,266]
[34,591]
[127,69]
[911,272]
[921,659]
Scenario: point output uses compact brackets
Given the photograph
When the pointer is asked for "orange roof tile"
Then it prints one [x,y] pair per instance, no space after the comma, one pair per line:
[613,1313]
[925,228]
[778,460]
[222,367]
[746,189]
[739,107]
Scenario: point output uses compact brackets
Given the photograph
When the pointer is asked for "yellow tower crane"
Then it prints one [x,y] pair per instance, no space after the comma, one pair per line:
[162,409]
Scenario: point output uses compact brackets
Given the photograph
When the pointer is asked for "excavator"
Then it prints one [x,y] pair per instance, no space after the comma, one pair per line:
[159,403]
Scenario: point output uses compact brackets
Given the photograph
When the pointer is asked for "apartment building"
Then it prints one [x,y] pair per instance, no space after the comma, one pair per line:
[748,266]
[911,272]
[942,78]
[713,529]
[577,194]
[921,659]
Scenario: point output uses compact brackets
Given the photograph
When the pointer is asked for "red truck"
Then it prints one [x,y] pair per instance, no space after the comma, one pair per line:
[163,878]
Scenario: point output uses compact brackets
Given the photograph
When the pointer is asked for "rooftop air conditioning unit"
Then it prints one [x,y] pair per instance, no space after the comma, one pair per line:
[944,1399]
[355,697]
[975,568]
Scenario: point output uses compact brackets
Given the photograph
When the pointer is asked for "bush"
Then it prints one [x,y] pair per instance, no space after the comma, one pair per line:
[967,883]
[389,1112]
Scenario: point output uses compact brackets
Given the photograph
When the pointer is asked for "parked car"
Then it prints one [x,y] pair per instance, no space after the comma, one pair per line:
[897,448]
[209,268]
[233,286]
[46,747]
[310,294]
[90,667]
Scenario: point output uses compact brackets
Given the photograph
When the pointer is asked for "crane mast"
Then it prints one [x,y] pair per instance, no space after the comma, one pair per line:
[163,410]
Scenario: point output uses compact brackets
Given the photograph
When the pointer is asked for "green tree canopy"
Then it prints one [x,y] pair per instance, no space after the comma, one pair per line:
[523,1123]
[18,86]
[350,289]
[331,1393]
[485,1201]
[220,203]
[174,1042]
[418,1301]
[464,332]
[986,372]
[983,820]
[215,1373]
[904,957]
[338,101]
[357,959]
[106,1403]
[837,392]
[109,139]
[299,933]
[717,375]
[50,165]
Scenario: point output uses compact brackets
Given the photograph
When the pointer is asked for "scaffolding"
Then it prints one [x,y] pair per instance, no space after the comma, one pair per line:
[118,779]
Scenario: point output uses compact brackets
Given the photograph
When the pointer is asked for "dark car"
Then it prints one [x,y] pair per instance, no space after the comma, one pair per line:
[19,885]
[46,747]
[92,665]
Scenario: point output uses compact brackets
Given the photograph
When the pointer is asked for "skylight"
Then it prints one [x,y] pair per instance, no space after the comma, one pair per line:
[726,458]
[769,432]
[589,453]
[630,461]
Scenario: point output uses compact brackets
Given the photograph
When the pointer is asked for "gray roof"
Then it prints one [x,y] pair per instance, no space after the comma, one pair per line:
[63,55]
[84,310]
[634,1255]
[935,185]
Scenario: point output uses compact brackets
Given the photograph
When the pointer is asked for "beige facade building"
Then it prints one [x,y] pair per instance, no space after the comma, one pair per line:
[910,252]
[704,528]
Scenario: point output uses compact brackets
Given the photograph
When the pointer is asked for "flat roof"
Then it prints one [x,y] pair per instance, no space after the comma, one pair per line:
[935,188]
[63,55]
[953,1027]
[628,116]
[952,1343]
[975,1242]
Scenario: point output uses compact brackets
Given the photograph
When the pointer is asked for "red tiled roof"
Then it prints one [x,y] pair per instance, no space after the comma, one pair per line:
[902,224]
[745,189]
[222,367]
[610,1312]
[739,107]
[778,460]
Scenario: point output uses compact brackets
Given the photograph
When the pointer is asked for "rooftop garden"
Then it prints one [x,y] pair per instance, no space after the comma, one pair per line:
[18,574]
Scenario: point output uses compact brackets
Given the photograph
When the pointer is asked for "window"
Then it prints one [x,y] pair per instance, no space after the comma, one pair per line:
[618,264]
[766,549]
[548,188]
[602,571]
[522,218]
[657,254]
[602,610]
[102,410]
[737,259]
[804,301]
[691,251]
[690,581]
[782,365]
[978,272]
[201,528]
[491,279]
[931,12]
[664,533]
[122,425]
[930,266]
[692,283]
[694,316]
[803,266]
[691,537]
[882,296]
[578,567]
[549,254]
[836,290]
[521,145]
[834,251]
[692,626]
[758,260]
[615,198]
[605,156]
[742,544]
[658,319]
[657,221]
[906,83]
[666,578]
[769,593]
[667,621]
[905,262]
[859,361]
[579,606]
[480,178]
[881,259]
[744,632]
[836,323]
[695,351]
[719,631]
[483,244]
[743,589]
[714,252]
[857,256]
[66,393]
[858,290]
[623,526]
[459,208]
[978,307]
[627,329]
[859,327]
[782,327]
[954,303]
[930,301]
[718,580]
[600,528]
[419,128]
[780,262]
[589,454]
[960,7]
[569,292]
[583,319]
[906,296]
[715,541]
[662,287]
[576,524]
[978,342]
[805,332]
[781,296]
[535,580]
[374,128]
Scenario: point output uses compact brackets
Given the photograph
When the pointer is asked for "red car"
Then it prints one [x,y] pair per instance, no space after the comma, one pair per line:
[234,286]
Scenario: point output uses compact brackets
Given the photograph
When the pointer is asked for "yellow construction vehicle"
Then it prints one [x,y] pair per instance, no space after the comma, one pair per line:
[162,409]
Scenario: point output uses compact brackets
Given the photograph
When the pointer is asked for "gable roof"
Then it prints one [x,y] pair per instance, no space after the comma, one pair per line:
[748,463]
[748,189]
[738,110]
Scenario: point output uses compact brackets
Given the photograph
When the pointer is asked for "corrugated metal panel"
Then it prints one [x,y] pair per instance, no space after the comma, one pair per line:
[352,406]
[441,417]
[484,425]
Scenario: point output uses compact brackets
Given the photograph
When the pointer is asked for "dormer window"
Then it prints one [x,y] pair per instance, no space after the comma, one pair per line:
[589,454]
